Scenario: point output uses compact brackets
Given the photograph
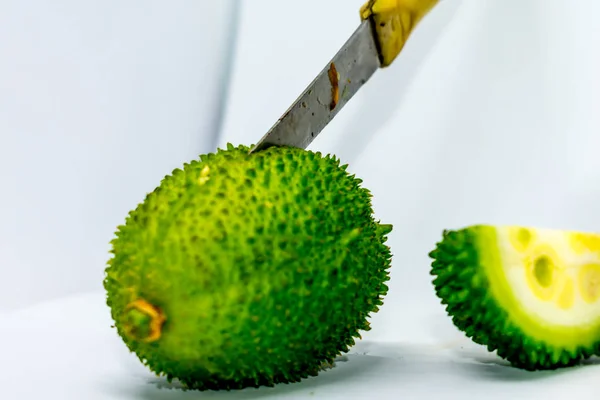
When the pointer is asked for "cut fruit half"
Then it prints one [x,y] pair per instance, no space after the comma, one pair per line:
[533,295]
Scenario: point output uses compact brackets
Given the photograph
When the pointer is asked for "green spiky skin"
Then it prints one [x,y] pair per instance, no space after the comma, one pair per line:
[462,262]
[265,266]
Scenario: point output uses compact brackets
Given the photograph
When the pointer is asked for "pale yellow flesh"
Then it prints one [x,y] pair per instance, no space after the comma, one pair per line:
[554,275]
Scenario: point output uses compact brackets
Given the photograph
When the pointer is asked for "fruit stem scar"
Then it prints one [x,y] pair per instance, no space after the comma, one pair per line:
[143,321]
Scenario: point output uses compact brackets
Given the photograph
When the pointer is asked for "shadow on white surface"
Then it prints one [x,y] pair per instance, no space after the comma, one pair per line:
[357,366]
[388,371]
[66,349]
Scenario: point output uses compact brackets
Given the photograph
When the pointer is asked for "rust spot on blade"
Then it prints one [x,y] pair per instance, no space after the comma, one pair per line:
[335,87]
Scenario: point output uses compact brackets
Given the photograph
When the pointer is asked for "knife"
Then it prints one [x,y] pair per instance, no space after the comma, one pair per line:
[384,29]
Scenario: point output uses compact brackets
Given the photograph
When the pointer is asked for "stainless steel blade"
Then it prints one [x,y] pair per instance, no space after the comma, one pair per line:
[335,85]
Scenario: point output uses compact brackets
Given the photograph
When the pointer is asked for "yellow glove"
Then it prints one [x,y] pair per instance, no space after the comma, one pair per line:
[394,21]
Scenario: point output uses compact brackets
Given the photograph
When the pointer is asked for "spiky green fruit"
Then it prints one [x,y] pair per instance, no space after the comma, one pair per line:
[533,295]
[246,270]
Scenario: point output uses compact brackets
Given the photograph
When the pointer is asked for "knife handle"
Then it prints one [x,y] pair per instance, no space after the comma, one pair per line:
[393,22]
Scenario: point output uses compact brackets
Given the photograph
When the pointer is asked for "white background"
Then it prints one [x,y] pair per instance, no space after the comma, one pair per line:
[98,101]
[488,116]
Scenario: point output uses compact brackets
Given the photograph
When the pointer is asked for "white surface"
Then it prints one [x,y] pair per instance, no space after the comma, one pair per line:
[98,101]
[66,350]
[489,115]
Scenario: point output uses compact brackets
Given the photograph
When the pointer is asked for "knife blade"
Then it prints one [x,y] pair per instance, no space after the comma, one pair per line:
[385,27]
